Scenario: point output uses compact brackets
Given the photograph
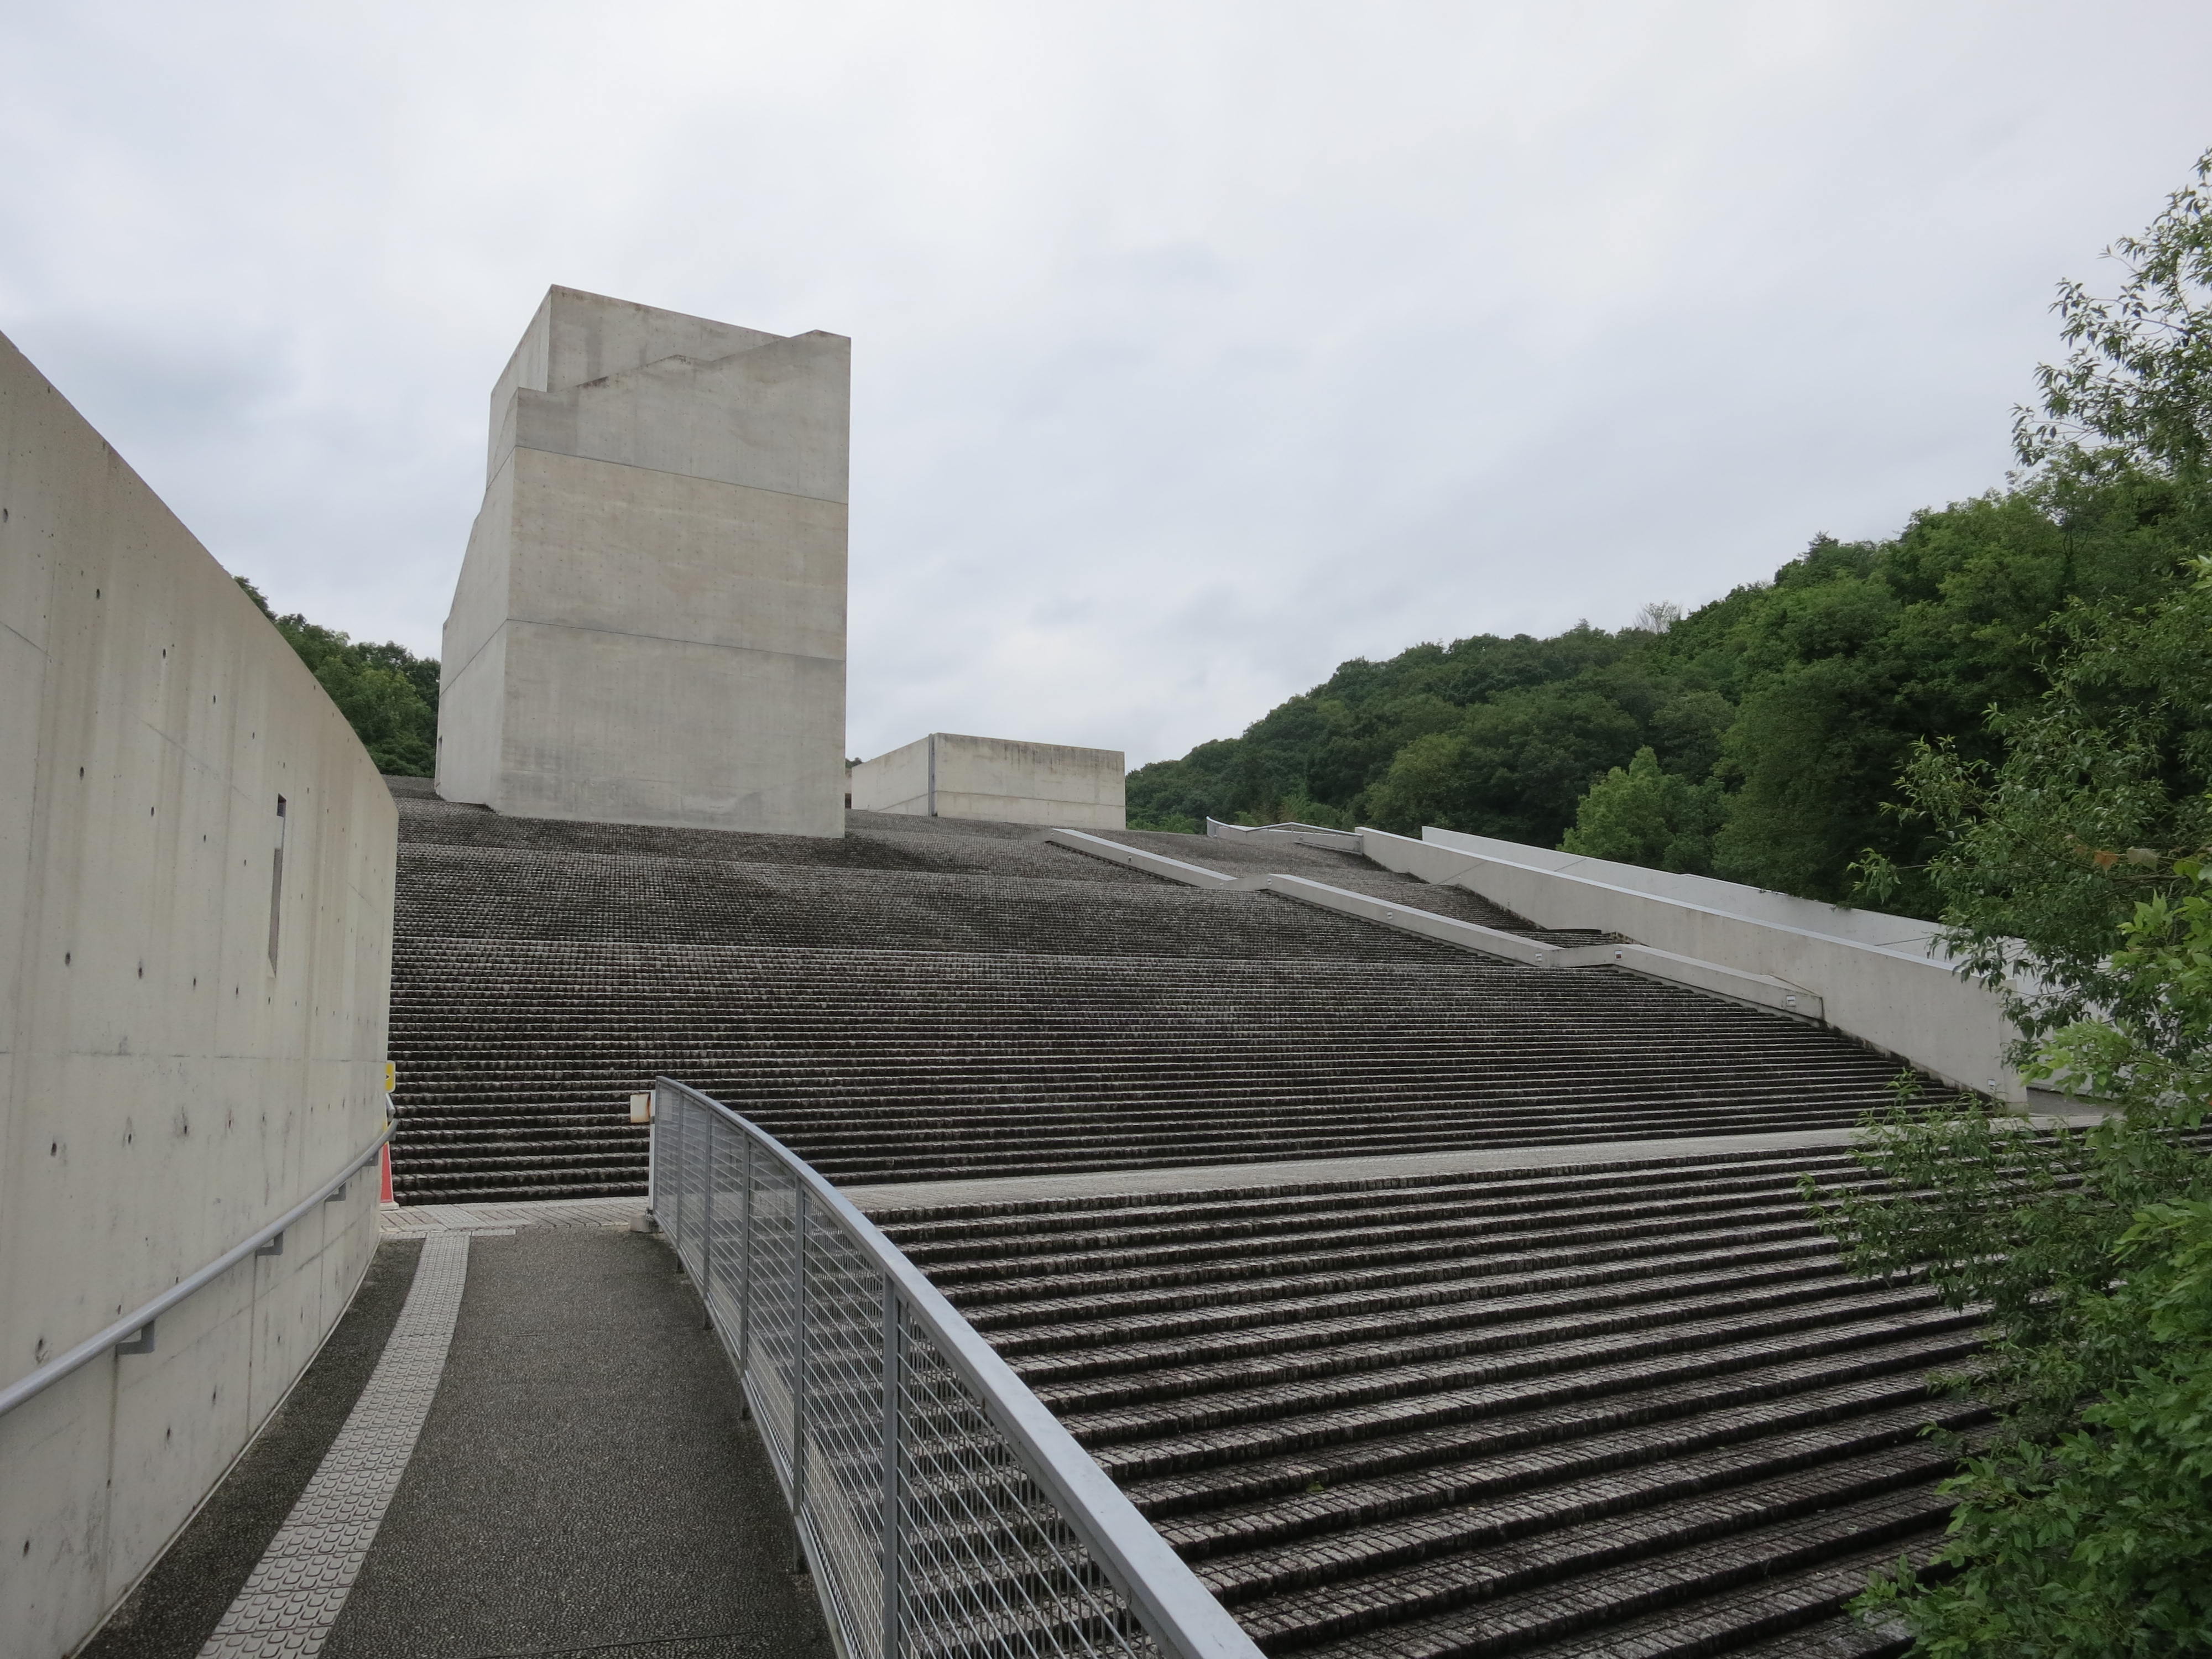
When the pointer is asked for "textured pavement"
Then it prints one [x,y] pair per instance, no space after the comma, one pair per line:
[584,1480]
[171,1613]
[287,1607]
[422,1220]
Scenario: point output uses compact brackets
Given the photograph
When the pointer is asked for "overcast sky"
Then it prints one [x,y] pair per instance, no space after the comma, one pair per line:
[1197,347]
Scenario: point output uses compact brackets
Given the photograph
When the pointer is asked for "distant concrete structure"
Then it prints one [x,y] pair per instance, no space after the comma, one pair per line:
[185,818]
[946,775]
[649,626]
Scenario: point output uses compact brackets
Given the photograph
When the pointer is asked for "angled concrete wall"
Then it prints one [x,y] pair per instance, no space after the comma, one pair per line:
[164,1089]
[649,625]
[1879,978]
[947,775]
[1915,938]
[900,781]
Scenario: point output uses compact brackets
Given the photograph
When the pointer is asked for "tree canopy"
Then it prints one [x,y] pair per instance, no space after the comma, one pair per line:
[2071,856]
[388,693]
[1793,704]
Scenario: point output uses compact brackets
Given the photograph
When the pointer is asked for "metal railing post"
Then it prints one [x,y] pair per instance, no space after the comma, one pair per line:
[894,1529]
[685,1209]
[745,1261]
[671,1190]
[707,1235]
[798,1383]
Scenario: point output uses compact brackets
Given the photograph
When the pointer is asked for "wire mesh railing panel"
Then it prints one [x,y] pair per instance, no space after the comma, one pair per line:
[989,1564]
[845,1414]
[942,1512]
[684,1171]
[725,1226]
[776,1291]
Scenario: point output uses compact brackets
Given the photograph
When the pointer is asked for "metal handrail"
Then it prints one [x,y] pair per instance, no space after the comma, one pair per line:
[139,1322]
[1177,1611]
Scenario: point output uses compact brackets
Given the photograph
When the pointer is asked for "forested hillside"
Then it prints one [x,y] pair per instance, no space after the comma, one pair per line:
[1761,737]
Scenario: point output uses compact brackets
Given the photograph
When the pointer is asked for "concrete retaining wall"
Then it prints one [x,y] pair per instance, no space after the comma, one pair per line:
[899,781]
[1305,834]
[164,1089]
[1758,989]
[1874,927]
[1875,974]
[948,775]
[649,624]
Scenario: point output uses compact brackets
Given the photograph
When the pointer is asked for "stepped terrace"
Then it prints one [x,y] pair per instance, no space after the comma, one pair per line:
[1425,1302]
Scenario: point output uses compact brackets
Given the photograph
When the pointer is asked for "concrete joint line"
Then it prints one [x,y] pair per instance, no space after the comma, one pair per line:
[292,1597]
[484,645]
[663,639]
[669,473]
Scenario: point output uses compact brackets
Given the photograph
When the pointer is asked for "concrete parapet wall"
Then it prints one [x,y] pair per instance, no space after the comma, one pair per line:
[1877,977]
[1137,857]
[899,781]
[1305,834]
[1874,927]
[949,775]
[166,1090]
[1760,990]
[649,624]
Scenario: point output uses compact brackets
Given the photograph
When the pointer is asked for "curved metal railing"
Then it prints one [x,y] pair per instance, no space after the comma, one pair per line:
[942,1509]
[134,1332]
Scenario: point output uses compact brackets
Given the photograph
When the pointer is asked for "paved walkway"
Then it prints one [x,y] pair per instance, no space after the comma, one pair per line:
[574,1476]
[422,1220]
[1219,1177]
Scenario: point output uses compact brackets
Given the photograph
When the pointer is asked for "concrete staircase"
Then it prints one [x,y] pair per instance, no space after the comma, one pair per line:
[1604,1408]
[1034,1012]
[1637,1409]
[516,1057]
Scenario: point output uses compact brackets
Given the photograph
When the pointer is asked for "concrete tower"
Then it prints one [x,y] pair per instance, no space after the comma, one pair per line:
[649,626]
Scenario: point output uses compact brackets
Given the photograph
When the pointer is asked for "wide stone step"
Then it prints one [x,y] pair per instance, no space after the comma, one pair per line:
[1497,1412]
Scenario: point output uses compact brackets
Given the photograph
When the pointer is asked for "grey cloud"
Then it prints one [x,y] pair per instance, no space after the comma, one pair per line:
[1196,348]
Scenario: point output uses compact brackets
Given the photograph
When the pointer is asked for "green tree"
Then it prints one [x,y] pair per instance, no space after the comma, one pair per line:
[1643,815]
[2138,387]
[1329,747]
[2072,871]
[2084,1525]
[387,693]
[1513,766]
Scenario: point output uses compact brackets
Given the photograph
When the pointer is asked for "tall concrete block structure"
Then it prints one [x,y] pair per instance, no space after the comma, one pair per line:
[947,775]
[649,626]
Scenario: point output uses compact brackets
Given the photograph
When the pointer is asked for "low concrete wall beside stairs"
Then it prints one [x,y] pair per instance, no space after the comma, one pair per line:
[1880,979]
[1760,990]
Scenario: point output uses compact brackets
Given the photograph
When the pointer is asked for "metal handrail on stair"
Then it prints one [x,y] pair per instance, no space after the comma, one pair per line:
[939,1506]
[134,1332]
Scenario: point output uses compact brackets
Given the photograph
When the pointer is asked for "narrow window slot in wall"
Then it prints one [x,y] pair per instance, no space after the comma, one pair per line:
[277,887]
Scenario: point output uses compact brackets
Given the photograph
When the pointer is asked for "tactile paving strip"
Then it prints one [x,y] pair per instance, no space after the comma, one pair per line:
[493,1219]
[292,1597]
